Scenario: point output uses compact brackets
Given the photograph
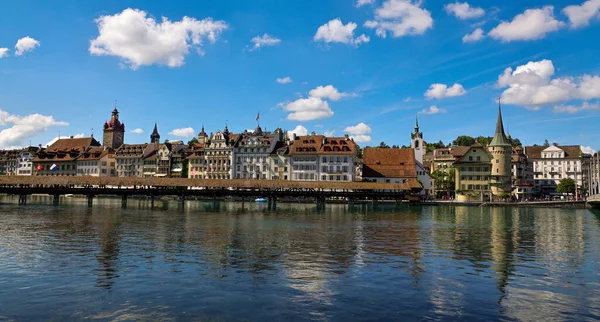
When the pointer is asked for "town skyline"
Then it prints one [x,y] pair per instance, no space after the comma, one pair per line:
[336,70]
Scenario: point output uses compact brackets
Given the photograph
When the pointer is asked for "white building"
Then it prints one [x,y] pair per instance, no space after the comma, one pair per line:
[219,154]
[96,162]
[25,161]
[252,151]
[551,164]
[318,158]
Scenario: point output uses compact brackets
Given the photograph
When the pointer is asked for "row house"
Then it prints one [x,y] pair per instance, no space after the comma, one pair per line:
[129,159]
[553,163]
[252,151]
[389,165]
[25,161]
[9,162]
[196,161]
[96,162]
[594,174]
[318,158]
[219,155]
[60,158]
[279,165]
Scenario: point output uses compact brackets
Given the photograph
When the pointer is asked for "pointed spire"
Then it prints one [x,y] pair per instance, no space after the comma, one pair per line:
[155,137]
[417,123]
[499,137]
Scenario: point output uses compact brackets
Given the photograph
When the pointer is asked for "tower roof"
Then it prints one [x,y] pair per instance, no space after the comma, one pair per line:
[499,137]
[155,134]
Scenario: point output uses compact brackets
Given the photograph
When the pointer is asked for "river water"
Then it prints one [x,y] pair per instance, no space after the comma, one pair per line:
[209,261]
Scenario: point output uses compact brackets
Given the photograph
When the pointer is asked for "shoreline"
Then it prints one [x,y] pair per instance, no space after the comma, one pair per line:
[535,204]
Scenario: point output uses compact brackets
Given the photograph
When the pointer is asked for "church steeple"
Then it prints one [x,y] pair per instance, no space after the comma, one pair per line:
[417,124]
[499,136]
[155,137]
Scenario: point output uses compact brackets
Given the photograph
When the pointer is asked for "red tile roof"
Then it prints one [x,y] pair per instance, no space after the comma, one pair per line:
[389,163]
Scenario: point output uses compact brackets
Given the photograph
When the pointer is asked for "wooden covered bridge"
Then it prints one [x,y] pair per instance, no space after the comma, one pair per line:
[204,188]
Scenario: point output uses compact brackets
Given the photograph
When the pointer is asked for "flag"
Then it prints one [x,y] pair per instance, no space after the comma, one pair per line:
[39,168]
[257,116]
[54,167]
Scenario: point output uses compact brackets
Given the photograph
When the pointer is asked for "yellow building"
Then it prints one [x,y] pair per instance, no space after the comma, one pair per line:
[472,174]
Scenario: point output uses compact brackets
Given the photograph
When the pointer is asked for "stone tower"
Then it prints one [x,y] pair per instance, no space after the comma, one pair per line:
[114,131]
[155,137]
[417,143]
[501,151]
[202,137]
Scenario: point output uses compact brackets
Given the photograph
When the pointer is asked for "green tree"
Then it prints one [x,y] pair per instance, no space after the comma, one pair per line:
[432,146]
[566,185]
[383,145]
[546,143]
[184,171]
[464,140]
[397,147]
[444,181]
[194,140]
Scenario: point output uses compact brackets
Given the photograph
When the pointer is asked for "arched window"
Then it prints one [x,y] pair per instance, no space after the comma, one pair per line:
[416,143]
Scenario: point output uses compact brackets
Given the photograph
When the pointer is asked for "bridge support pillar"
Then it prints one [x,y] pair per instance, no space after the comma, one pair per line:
[272,203]
[124,201]
[320,202]
[56,200]
[152,201]
[90,200]
[22,200]
[182,200]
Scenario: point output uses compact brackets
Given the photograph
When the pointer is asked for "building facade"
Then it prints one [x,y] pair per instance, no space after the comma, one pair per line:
[252,151]
[96,162]
[60,158]
[317,158]
[553,163]
[25,161]
[129,160]
[219,155]
[389,165]
[472,174]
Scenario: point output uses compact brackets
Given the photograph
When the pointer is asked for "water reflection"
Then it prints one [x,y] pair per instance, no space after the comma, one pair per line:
[219,260]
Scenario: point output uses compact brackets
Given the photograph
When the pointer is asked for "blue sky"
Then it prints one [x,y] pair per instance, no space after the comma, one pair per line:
[368,73]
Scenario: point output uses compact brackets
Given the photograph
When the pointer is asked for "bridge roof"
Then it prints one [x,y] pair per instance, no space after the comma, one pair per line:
[208,183]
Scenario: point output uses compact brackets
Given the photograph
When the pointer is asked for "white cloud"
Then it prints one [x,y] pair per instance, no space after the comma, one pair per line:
[284,80]
[530,25]
[363,2]
[336,31]
[140,40]
[531,85]
[315,105]
[572,109]
[183,132]
[3,52]
[580,16]
[476,35]
[464,10]
[400,18]
[587,149]
[329,133]
[359,132]
[137,131]
[307,109]
[25,44]
[264,41]
[299,131]
[407,99]
[442,90]
[432,110]
[23,127]
[326,92]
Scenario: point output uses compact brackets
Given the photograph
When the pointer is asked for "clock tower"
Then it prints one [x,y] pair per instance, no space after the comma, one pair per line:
[114,131]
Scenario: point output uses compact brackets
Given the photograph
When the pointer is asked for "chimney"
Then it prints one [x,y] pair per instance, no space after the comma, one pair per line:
[70,137]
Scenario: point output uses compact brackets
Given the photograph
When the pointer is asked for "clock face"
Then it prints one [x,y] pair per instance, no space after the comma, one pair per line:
[118,137]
